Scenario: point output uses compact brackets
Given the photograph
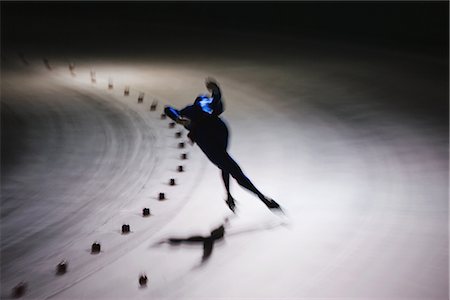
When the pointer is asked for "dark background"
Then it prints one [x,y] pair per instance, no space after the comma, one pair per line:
[416,26]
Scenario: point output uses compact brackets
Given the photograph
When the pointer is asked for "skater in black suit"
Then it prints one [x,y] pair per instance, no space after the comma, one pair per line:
[210,133]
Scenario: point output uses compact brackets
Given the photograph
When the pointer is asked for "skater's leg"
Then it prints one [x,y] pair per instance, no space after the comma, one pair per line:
[220,157]
[229,165]
[226,181]
[233,168]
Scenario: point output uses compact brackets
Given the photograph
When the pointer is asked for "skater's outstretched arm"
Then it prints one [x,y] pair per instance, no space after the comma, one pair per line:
[176,116]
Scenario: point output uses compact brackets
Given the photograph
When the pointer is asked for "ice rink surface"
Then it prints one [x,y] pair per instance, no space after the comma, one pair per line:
[354,148]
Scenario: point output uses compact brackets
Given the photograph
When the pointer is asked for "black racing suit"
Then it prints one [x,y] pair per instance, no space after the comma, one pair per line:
[210,133]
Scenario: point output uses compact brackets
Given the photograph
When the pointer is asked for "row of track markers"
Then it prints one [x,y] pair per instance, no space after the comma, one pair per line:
[62,267]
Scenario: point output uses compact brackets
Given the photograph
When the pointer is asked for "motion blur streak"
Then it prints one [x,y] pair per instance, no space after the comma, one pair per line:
[349,136]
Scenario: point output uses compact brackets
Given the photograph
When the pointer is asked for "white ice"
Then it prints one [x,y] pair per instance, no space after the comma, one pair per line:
[363,183]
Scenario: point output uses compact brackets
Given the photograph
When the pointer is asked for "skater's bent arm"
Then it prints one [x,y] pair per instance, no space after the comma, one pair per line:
[216,95]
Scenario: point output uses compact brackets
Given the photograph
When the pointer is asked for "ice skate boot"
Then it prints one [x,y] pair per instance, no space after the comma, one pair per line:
[272,205]
[231,204]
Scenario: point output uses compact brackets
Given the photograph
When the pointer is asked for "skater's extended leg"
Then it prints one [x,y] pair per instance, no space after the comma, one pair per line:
[230,165]
[220,157]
